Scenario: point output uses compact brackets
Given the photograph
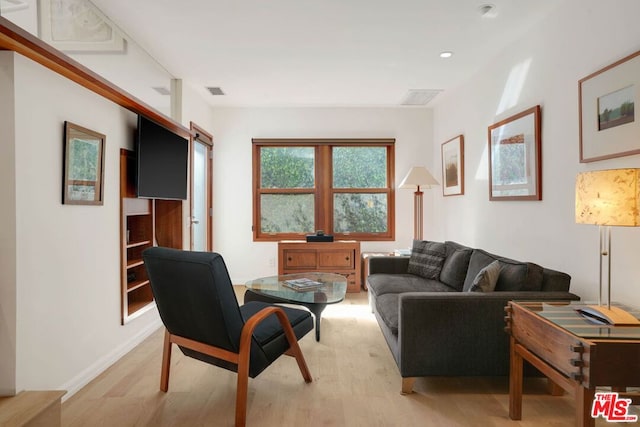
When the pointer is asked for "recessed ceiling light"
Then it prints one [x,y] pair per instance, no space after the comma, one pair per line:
[488,10]
[446,54]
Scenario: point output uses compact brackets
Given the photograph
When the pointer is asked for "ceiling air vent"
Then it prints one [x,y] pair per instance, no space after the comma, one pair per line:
[162,90]
[215,90]
[420,96]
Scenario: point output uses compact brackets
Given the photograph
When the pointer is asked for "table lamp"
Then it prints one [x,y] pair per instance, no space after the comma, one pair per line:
[608,198]
[416,177]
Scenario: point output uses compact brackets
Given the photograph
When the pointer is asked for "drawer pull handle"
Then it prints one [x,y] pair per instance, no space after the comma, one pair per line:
[577,348]
[577,362]
[346,258]
[289,259]
[576,376]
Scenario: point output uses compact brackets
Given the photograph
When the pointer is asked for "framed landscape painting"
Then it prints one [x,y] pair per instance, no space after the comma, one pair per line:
[607,99]
[453,166]
[83,166]
[515,156]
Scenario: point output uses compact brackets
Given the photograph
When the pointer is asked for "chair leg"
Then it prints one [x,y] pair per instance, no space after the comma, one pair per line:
[166,362]
[242,387]
[295,351]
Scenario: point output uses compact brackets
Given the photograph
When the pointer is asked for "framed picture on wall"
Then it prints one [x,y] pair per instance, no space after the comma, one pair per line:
[453,166]
[607,100]
[515,157]
[82,183]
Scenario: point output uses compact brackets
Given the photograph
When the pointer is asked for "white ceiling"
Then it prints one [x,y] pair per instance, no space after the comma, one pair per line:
[322,53]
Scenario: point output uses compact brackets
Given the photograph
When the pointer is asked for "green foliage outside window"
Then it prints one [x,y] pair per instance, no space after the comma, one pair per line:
[359,167]
[287,167]
[360,213]
[287,213]
[293,168]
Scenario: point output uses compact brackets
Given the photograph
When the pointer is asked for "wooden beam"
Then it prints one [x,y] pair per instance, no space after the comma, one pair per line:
[26,44]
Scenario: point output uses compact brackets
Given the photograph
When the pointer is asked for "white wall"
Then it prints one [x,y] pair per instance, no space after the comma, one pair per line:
[67,257]
[7,229]
[233,129]
[580,37]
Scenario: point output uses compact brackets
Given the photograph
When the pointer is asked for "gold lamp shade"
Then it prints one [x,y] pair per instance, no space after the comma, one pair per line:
[608,197]
[605,198]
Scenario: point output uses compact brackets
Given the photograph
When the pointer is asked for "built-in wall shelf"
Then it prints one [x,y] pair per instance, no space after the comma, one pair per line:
[143,223]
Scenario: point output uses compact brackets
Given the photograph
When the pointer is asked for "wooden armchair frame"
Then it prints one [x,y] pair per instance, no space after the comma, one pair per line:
[240,359]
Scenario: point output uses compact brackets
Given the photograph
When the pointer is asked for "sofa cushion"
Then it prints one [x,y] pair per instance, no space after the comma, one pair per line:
[487,278]
[514,276]
[519,276]
[387,308]
[382,283]
[426,259]
[454,269]
[452,246]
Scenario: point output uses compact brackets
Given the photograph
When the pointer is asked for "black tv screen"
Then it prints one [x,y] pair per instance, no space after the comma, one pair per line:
[162,162]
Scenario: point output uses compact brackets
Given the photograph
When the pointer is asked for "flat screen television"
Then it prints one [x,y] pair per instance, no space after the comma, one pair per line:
[162,162]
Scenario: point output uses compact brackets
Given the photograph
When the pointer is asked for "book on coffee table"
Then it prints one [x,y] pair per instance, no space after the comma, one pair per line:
[303,284]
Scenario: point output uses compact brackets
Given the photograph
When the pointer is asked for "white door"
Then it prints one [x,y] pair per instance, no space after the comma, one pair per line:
[201,197]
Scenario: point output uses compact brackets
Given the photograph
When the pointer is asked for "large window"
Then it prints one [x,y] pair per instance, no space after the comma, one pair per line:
[343,187]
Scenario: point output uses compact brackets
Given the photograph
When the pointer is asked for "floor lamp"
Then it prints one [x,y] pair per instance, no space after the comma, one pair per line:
[418,177]
[608,198]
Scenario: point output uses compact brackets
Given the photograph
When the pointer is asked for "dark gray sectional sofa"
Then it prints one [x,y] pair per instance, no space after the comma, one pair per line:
[435,326]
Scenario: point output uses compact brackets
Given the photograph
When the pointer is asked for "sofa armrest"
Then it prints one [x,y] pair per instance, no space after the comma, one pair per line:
[440,333]
[388,264]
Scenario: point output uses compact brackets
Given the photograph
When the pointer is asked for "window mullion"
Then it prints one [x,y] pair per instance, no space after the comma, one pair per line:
[323,188]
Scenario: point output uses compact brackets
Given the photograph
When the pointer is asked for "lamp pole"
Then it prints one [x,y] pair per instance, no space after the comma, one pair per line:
[417,214]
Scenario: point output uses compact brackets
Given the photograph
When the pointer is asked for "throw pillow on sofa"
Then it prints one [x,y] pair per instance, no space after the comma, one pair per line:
[426,259]
[487,278]
[454,269]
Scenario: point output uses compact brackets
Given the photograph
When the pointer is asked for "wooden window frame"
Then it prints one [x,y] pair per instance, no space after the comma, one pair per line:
[323,190]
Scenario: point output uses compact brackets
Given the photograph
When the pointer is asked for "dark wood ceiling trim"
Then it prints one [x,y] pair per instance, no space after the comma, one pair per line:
[20,41]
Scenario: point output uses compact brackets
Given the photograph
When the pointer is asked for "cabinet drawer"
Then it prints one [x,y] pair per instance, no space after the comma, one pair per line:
[336,259]
[300,259]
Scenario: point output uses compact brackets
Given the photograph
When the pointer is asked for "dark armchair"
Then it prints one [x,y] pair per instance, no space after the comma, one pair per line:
[199,309]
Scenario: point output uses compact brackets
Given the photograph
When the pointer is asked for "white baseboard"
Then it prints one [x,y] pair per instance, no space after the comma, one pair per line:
[100,365]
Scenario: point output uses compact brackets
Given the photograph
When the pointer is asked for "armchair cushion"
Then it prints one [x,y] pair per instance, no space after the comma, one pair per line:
[270,328]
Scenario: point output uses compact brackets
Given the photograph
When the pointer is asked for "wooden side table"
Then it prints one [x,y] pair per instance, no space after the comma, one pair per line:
[364,268]
[574,353]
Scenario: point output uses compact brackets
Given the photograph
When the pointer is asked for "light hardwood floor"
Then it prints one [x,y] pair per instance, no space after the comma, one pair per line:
[355,383]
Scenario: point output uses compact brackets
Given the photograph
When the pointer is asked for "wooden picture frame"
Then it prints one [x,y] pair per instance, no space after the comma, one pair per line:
[82,182]
[515,157]
[607,99]
[452,152]
[77,26]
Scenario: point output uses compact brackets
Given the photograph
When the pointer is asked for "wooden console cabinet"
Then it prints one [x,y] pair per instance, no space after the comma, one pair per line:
[342,257]
[141,222]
